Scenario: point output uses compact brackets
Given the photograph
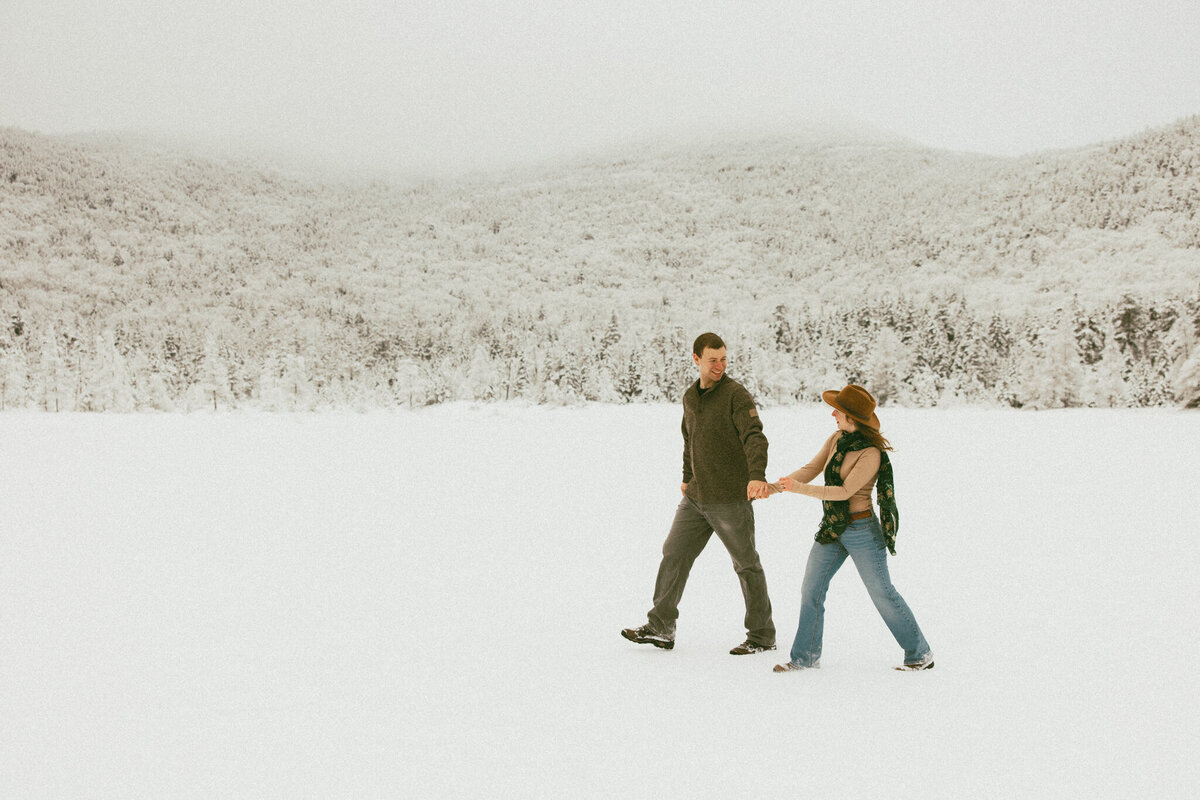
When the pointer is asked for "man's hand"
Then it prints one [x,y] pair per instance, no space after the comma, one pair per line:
[683,488]
[757,490]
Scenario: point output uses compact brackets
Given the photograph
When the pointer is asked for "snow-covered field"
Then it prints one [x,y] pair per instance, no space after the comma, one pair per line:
[427,604]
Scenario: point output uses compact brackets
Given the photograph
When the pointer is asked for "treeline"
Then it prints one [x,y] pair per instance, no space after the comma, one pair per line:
[1132,353]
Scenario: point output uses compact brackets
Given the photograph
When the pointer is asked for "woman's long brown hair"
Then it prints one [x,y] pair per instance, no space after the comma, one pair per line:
[873,436]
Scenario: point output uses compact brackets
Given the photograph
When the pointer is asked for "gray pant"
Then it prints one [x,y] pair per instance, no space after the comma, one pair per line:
[693,526]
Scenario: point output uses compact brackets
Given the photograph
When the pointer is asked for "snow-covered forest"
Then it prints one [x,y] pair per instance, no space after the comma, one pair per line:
[134,276]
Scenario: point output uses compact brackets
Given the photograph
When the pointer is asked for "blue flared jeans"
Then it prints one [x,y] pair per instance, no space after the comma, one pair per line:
[862,541]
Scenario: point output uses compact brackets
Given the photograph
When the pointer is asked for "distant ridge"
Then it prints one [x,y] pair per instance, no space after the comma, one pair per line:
[174,262]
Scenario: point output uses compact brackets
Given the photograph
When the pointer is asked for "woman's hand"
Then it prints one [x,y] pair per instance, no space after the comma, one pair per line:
[785,484]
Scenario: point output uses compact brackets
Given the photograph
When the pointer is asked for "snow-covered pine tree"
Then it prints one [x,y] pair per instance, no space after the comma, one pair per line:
[14,377]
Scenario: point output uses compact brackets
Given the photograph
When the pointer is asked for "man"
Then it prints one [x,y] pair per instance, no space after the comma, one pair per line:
[724,468]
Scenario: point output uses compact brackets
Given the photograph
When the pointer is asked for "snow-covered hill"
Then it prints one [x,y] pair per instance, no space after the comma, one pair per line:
[132,276]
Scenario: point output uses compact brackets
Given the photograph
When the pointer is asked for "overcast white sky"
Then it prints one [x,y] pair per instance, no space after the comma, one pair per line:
[456,84]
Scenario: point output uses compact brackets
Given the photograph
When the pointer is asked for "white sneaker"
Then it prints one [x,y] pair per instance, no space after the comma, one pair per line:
[917,666]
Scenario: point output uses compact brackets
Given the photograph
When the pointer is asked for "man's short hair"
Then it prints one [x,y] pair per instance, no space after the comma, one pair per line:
[707,341]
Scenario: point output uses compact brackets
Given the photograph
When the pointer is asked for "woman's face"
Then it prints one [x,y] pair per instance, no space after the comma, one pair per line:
[844,423]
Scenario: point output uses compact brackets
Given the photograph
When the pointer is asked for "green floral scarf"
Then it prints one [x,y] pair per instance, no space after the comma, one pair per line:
[837,512]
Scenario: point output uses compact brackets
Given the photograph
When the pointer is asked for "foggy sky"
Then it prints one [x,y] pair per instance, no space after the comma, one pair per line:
[450,85]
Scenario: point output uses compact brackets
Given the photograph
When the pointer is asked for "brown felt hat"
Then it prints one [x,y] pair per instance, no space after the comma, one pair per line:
[855,402]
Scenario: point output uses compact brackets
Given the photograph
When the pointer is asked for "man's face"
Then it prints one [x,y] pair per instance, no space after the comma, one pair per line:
[712,365]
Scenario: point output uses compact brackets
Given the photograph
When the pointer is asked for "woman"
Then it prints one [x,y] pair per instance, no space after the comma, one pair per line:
[854,459]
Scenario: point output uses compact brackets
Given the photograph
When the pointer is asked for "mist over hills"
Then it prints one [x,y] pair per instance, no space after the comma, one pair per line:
[135,276]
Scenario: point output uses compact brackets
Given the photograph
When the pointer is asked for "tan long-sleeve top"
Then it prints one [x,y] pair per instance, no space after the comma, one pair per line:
[859,470]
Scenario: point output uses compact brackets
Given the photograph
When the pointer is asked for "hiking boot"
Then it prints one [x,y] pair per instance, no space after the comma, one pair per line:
[647,635]
[747,647]
[788,667]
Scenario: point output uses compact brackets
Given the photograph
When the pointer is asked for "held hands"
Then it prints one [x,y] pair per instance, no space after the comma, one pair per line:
[755,490]
[785,484]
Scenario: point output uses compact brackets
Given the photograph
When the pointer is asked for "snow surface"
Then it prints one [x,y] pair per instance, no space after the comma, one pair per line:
[427,604]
